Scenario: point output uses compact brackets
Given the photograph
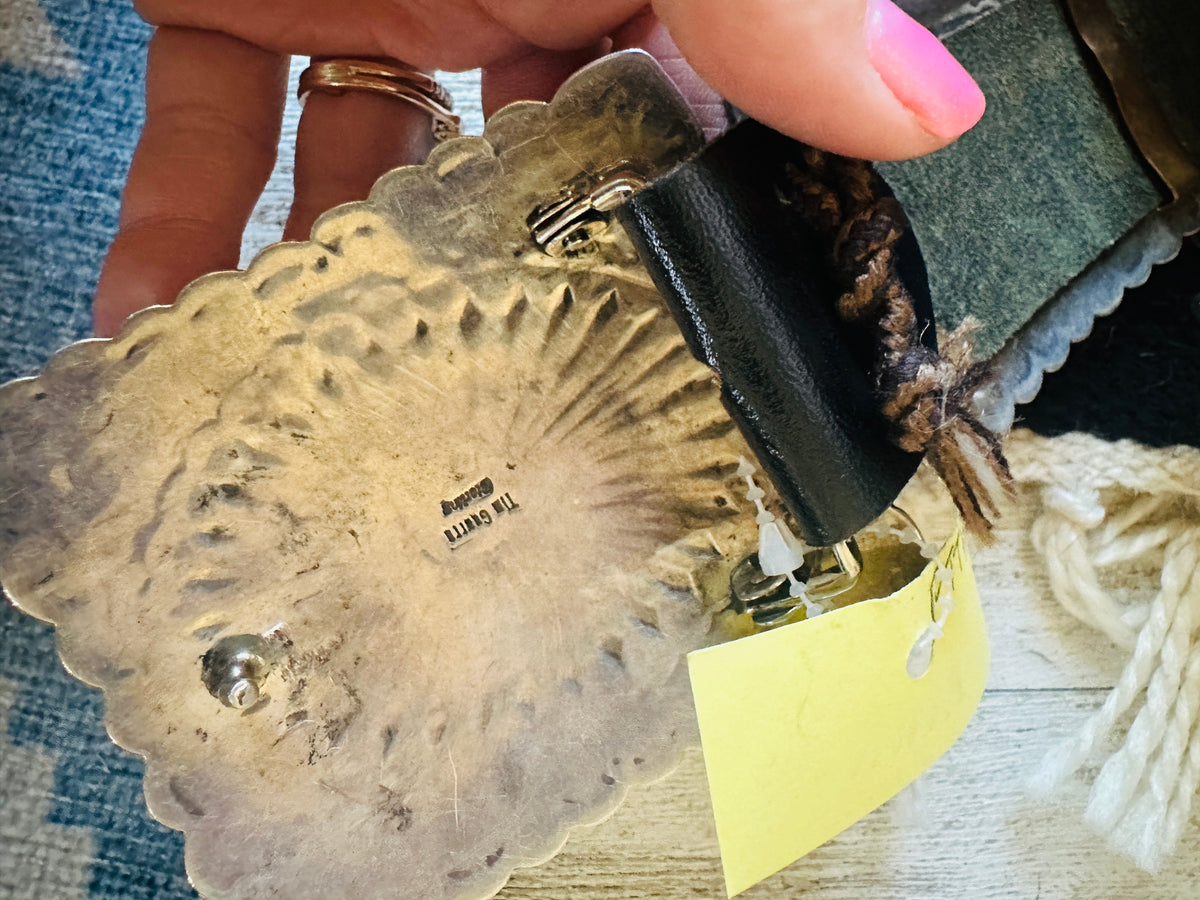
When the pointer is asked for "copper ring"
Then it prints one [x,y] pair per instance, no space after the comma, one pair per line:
[386,77]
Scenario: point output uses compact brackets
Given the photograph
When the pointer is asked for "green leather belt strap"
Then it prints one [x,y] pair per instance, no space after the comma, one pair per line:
[1050,178]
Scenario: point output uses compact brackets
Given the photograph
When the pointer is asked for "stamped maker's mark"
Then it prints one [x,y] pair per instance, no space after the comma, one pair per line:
[474,520]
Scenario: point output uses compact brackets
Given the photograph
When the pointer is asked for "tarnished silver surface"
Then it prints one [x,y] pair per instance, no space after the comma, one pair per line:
[475,502]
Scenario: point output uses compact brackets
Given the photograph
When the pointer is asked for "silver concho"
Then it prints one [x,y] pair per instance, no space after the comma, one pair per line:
[387,551]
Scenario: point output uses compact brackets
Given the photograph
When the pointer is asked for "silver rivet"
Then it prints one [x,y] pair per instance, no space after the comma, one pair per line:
[235,667]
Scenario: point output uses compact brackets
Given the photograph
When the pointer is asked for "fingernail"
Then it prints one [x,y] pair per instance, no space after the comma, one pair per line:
[921,73]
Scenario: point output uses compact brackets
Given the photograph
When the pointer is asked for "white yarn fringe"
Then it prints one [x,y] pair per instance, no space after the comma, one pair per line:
[1107,507]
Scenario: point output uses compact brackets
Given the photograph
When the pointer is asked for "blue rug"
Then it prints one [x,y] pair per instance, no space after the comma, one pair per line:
[72,819]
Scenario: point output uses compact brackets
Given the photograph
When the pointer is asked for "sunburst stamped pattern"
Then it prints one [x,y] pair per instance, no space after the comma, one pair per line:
[461,507]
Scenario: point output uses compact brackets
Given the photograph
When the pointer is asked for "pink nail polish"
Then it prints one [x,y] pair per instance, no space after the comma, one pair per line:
[922,74]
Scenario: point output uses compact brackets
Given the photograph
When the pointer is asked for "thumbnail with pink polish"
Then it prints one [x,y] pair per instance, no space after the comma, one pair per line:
[920,72]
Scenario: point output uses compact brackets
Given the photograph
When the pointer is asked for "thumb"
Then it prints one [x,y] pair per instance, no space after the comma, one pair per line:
[858,77]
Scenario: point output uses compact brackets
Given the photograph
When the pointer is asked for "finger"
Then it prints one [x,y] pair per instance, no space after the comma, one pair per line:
[533,74]
[344,143]
[213,111]
[646,32]
[858,77]
[451,34]
[562,26]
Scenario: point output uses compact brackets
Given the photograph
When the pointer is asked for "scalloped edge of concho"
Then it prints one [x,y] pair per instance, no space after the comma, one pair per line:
[528,118]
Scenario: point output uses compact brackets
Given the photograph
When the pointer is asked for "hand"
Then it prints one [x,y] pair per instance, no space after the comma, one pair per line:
[854,76]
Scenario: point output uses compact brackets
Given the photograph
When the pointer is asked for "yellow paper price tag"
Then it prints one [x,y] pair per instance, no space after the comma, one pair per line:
[808,728]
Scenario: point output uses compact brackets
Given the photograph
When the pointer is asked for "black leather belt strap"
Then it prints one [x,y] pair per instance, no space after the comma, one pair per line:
[747,282]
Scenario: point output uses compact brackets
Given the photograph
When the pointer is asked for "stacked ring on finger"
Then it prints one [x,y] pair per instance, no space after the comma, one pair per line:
[389,77]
